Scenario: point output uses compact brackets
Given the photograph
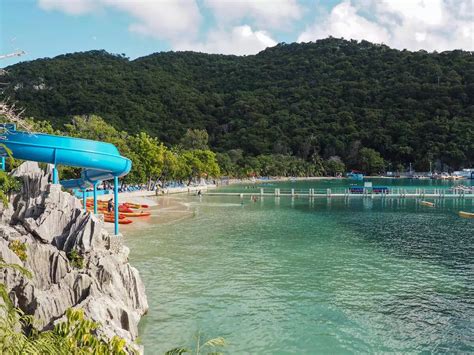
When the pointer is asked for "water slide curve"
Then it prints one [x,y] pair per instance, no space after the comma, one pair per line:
[99,161]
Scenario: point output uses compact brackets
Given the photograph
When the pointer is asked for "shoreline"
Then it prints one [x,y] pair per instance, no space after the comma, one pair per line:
[139,195]
[164,209]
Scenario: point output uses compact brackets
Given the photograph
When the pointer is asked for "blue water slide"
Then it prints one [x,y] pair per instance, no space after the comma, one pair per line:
[99,161]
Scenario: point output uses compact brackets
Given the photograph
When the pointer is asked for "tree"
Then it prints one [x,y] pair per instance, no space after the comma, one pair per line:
[324,98]
[150,154]
[170,168]
[199,163]
[334,166]
[195,139]
[225,164]
[370,161]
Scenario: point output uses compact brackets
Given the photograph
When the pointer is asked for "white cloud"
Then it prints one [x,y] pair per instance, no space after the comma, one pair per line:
[70,7]
[164,19]
[268,13]
[412,24]
[239,40]
[161,18]
[427,12]
[343,21]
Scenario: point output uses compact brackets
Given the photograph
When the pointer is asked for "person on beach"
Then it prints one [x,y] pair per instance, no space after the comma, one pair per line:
[110,205]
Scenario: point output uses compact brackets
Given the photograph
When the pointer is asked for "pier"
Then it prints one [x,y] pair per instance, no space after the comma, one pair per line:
[346,192]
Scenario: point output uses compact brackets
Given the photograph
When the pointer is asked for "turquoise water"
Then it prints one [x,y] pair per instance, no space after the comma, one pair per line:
[310,276]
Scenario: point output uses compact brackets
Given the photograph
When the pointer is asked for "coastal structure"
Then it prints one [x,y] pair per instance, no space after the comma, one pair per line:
[358,191]
[99,161]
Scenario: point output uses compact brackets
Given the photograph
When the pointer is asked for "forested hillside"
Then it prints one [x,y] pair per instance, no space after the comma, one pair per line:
[314,101]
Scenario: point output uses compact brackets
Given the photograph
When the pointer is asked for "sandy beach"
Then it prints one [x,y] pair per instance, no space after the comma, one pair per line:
[164,209]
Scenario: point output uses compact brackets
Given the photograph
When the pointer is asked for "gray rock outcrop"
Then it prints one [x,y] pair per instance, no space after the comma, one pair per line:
[52,223]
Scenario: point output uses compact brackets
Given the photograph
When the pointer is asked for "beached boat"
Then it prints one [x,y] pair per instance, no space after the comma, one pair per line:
[466,214]
[112,220]
[136,214]
[427,204]
[122,205]
[102,208]
[111,215]
[135,205]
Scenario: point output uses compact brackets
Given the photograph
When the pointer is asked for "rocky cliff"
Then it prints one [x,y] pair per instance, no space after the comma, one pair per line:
[52,224]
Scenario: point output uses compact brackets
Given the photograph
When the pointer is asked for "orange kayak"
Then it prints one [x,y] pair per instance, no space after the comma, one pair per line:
[112,220]
[111,215]
[123,205]
[136,214]
[135,205]
[104,209]
[101,206]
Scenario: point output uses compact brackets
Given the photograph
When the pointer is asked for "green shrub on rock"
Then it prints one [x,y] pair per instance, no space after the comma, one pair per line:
[76,259]
[19,249]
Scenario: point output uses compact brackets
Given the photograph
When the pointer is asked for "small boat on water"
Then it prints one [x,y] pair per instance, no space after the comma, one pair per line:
[355,175]
[463,214]
[465,173]
[427,204]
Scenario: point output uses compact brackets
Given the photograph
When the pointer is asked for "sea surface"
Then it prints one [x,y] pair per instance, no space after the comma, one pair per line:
[301,276]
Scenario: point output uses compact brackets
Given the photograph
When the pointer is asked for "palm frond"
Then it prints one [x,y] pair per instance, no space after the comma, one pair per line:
[177,351]
[24,271]
[219,341]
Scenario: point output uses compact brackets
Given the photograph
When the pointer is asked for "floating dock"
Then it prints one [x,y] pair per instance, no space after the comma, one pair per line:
[349,192]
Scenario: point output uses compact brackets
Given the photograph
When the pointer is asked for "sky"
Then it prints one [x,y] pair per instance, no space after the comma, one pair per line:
[46,28]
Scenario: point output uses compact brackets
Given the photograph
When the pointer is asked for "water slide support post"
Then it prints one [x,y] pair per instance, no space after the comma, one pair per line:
[95,198]
[84,202]
[55,170]
[116,206]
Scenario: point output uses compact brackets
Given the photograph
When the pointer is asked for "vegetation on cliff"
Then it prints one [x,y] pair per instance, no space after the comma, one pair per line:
[74,335]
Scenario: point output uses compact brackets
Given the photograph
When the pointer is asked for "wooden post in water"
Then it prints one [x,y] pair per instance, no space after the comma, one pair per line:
[292,192]
[261,191]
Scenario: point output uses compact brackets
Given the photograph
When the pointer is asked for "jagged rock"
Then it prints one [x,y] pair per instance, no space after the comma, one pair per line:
[52,223]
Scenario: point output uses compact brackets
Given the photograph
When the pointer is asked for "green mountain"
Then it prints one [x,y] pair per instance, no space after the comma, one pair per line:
[332,97]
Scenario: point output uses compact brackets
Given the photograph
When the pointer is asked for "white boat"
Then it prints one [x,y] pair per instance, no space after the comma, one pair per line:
[465,173]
